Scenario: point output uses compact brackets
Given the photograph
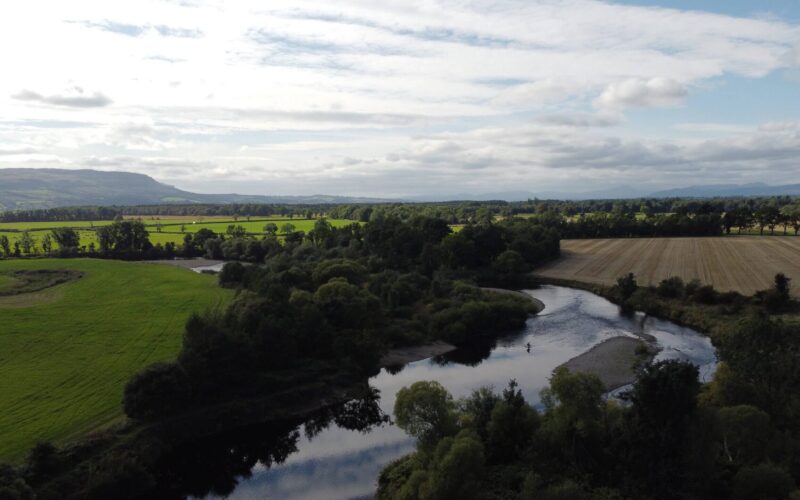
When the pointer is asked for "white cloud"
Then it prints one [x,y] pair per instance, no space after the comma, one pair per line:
[636,92]
[355,95]
[75,98]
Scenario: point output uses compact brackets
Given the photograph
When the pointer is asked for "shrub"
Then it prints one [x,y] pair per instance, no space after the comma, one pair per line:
[670,288]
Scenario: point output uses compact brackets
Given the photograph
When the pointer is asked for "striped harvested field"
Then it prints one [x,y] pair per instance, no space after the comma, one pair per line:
[745,264]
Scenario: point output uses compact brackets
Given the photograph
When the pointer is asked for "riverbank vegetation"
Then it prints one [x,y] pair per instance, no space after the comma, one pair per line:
[323,306]
[736,437]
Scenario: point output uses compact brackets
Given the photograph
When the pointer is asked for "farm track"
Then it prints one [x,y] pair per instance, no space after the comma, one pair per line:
[744,264]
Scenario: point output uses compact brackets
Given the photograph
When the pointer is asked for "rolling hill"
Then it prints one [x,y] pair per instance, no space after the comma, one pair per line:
[27,189]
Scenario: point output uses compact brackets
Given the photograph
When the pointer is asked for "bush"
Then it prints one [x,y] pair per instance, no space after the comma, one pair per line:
[705,295]
[670,288]
[626,286]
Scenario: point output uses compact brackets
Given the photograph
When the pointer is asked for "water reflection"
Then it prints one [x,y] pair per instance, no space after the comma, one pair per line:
[332,459]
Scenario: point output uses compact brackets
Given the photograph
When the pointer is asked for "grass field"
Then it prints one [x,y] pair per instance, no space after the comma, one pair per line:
[66,352]
[742,263]
[170,227]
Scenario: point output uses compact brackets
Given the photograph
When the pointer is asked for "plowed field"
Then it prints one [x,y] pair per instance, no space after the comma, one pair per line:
[741,263]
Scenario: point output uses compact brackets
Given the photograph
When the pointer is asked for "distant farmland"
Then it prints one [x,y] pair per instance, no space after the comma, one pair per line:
[171,229]
[742,263]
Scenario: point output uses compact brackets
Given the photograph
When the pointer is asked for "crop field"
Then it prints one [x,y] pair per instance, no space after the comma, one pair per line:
[744,264]
[66,352]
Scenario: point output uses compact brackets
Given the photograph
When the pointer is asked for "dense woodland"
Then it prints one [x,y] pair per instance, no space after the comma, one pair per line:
[669,437]
[344,295]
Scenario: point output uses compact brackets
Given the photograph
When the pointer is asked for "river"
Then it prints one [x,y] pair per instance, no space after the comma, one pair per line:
[337,463]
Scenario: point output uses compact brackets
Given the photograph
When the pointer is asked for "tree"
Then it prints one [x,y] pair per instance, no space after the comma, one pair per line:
[5,245]
[782,287]
[271,228]
[236,231]
[763,482]
[287,228]
[13,485]
[626,285]
[160,389]
[663,399]
[27,242]
[512,426]
[574,403]
[759,356]
[745,434]
[767,216]
[458,465]
[425,410]
[66,237]
[124,238]
[791,214]
[47,243]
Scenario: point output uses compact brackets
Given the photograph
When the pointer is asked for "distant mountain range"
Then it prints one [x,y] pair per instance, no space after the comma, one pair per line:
[627,192]
[754,189]
[25,189]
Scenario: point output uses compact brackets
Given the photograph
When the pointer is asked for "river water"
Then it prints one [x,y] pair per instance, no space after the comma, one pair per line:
[337,463]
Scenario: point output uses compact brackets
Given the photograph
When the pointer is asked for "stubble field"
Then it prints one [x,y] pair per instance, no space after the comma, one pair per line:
[744,264]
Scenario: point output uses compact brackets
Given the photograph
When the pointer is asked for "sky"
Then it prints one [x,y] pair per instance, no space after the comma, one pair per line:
[405,98]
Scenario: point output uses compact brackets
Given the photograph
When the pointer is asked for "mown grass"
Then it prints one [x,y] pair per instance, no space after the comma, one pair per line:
[67,352]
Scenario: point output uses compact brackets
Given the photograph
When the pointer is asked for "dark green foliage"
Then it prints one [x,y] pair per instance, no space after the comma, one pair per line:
[160,389]
[626,286]
[13,485]
[232,274]
[511,427]
[426,411]
[42,463]
[760,355]
[762,482]
[124,239]
[67,238]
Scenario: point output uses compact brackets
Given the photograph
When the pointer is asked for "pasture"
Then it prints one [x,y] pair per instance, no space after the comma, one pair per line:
[167,230]
[744,264]
[66,352]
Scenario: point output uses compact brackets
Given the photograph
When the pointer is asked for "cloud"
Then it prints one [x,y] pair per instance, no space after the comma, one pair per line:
[637,92]
[581,119]
[397,95]
[18,151]
[137,30]
[76,99]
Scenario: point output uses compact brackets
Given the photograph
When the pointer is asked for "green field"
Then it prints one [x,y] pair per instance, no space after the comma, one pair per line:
[170,228]
[67,352]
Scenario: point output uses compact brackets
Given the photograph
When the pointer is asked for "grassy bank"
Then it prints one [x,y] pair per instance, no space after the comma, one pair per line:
[67,352]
